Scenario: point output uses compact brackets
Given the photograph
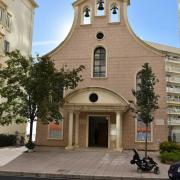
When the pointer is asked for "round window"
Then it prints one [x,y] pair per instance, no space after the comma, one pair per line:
[100,35]
[93,97]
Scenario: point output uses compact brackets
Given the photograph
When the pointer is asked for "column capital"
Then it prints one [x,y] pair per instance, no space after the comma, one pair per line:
[118,112]
[77,112]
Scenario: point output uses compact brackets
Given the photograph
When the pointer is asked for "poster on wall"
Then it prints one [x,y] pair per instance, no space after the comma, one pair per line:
[56,130]
[141,131]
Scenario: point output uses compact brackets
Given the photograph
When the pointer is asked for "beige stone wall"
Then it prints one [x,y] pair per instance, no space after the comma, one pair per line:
[19,35]
[125,56]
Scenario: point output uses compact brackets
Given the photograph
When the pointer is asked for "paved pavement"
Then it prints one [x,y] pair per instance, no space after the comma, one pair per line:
[79,164]
[8,154]
[23,178]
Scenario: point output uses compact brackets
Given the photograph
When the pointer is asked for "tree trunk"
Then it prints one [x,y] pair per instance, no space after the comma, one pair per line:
[31,129]
[146,142]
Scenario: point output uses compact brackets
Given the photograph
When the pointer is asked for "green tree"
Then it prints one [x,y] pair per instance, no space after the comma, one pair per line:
[146,99]
[32,89]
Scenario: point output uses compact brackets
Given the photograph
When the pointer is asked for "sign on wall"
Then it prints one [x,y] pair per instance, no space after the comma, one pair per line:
[141,132]
[56,130]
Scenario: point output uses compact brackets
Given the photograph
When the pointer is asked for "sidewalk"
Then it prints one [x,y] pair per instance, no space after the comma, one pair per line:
[79,164]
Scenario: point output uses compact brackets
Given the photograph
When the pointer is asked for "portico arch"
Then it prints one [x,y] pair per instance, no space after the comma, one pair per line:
[107,101]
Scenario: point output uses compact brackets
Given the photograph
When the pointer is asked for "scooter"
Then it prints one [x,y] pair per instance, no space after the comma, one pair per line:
[144,164]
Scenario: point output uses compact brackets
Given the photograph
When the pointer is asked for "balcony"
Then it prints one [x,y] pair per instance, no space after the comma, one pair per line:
[174,111]
[173,69]
[173,90]
[174,121]
[173,60]
[173,79]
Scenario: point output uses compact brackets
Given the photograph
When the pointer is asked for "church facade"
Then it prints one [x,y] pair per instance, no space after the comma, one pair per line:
[95,114]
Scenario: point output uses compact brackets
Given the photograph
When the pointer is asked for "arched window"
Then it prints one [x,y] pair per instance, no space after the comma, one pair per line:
[114,13]
[86,15]
[100,7]
[99,66]
[138,80]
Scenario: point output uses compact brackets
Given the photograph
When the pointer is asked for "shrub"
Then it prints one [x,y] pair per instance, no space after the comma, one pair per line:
[170,157]
[30,145]
[169,147]
[7,140]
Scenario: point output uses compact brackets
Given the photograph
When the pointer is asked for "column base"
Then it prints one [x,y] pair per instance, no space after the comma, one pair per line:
[119,149]
[76,146]
[69,148]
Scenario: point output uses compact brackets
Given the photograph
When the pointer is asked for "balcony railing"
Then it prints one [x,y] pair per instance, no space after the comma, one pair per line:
[174,121]
[173,69]
[173,99]
[173,79]
[173,59]
[173,90]
[173,110]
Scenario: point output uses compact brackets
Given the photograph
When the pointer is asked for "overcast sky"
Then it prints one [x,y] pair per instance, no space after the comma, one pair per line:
[151,20]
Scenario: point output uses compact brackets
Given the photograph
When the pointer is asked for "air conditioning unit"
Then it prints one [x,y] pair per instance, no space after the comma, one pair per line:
[2,30]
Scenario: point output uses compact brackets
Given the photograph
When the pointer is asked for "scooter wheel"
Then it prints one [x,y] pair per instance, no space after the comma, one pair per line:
[132,162]
[156,170]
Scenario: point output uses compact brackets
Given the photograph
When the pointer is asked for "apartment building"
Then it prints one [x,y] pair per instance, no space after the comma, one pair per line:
[16,29]
[173,95]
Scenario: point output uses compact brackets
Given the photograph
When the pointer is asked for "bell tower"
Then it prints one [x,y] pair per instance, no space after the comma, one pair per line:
[100,11]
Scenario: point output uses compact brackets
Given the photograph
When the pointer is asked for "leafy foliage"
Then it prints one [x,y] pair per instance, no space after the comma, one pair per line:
[146,100]
[33,88]
[7,140]
[170,157]
[169,147]
[30,145]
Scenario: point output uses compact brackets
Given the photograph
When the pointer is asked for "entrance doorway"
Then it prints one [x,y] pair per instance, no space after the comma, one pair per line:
[98,131]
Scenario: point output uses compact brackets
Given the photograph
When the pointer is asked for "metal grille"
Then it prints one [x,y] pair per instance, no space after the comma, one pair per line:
[99,69]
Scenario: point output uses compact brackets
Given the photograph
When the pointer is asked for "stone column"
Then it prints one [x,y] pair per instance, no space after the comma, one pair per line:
[77,130]
[70,134]
[118,131]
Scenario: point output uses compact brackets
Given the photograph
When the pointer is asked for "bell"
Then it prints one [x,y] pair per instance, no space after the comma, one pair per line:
[114,11]
[114,8]
[87,10]
[100,7]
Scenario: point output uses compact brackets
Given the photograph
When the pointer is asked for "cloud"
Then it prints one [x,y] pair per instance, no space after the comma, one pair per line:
[44,43]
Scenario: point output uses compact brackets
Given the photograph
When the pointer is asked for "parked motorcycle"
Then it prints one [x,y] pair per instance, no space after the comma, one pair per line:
[144,164]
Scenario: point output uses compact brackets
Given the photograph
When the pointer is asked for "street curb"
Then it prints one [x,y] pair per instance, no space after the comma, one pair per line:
[72,177]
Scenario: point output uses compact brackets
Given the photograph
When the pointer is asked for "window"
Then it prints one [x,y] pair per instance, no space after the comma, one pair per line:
[6,46]
[114,13]
[55,130]
[99,66]
[100,8]
[8,21]
[138,80]
[93,97]
[99,35]
[86,15]
[1,14]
